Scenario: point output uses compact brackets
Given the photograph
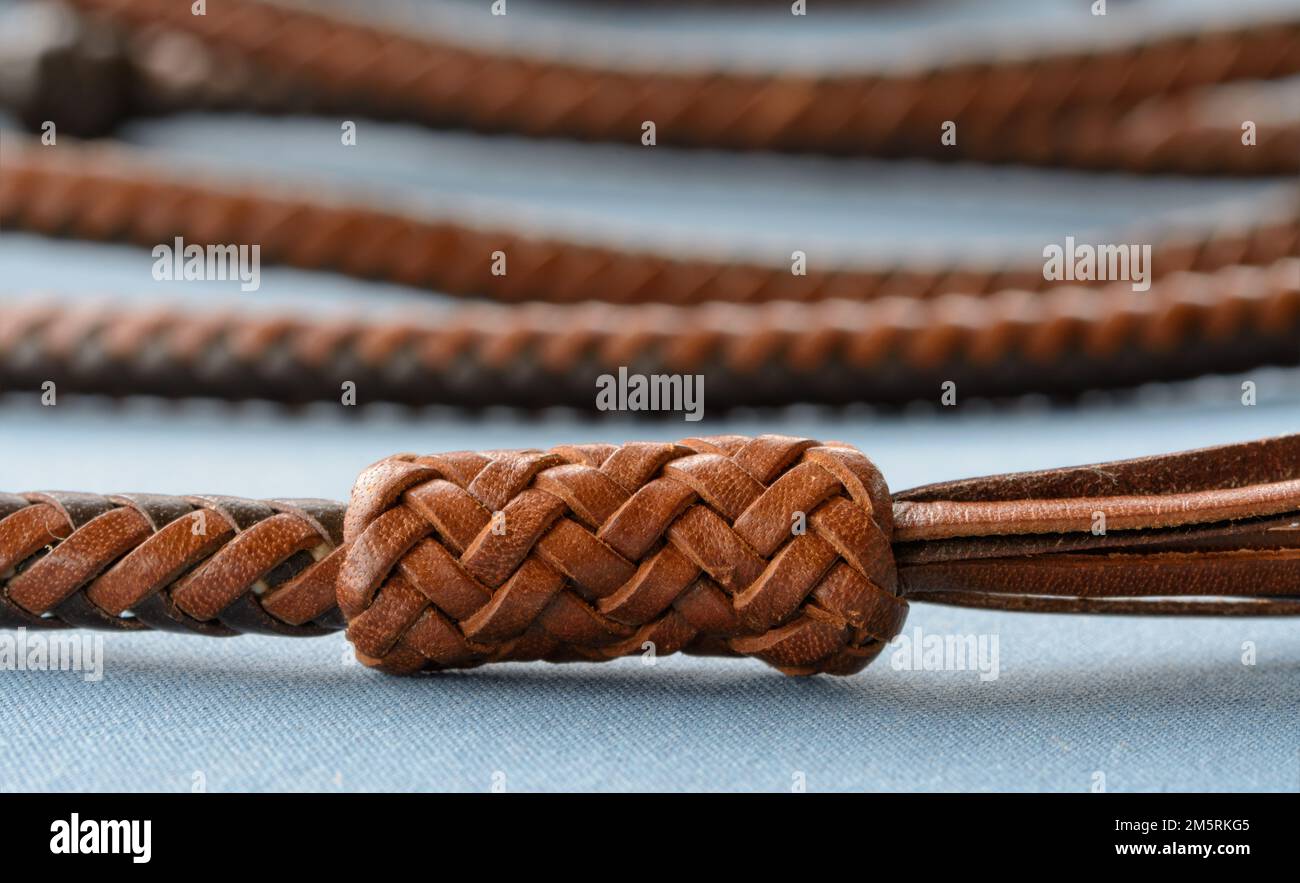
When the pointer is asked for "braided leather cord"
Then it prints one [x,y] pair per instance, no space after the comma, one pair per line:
[161,71]
[208,564]
[786,549]
[1073,99]
[99,194]
[1064,340]
[601,548]
[1190,132]
[692,547]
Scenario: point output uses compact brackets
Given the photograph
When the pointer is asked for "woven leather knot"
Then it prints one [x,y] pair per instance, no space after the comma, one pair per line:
[773,547]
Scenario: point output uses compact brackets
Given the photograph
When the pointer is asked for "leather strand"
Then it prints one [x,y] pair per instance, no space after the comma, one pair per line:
[785,549]
[1209,531]
[1028,106]
[90,78]
[211,565]
[886,351]
[100,193]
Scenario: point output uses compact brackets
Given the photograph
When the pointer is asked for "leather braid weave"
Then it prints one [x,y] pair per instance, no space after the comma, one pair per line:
[786,549]
[588,552]
[349,65]
[891,350]
[101,194]
[212,565]
[160,71]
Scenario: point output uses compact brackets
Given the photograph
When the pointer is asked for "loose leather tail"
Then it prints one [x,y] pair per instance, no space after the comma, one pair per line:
[786,549]
[1215,531]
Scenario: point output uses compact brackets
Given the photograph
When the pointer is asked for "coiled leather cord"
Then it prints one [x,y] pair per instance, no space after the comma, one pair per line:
[890,351]
[785,549]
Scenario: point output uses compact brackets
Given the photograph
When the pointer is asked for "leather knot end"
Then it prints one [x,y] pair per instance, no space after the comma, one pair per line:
[773,547]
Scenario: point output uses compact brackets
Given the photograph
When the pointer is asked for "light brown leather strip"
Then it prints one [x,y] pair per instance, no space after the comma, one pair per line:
[1264,461]
[940,520]
[25,531]
[78,559]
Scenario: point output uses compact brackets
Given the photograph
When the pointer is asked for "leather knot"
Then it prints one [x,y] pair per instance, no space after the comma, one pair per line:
[773,547]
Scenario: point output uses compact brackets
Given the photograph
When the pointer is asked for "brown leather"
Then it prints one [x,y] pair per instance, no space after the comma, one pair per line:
[602,548]
[886,351]
[98,192]
[925,326]
[213,565]
[1182,532]
[785,549]
[1115,106]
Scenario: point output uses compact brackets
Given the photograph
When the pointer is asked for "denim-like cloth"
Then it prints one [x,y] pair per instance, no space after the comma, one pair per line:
[1151,705]
[1148,704]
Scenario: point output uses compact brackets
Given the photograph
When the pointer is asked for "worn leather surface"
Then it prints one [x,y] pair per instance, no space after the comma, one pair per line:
[785,549]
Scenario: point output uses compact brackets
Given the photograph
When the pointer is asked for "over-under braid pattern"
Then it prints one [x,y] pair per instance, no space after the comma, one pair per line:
[346,63]
[100,193]
[773,547]
[212,565]
[893,350]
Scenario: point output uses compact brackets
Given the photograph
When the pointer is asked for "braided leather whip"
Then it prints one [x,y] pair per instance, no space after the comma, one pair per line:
[1222,300]
[785,549]
[891,350]
[101,192]
[1120,104]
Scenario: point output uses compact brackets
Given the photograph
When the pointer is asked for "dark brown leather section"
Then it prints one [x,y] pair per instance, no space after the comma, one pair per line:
[213,565]
[885,351]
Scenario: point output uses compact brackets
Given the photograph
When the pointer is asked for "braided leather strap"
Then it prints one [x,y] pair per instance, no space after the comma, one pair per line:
[213,565]
[1075,100]
[157,70]
[892,350]
[97,193]
[781,548]
[771,547]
